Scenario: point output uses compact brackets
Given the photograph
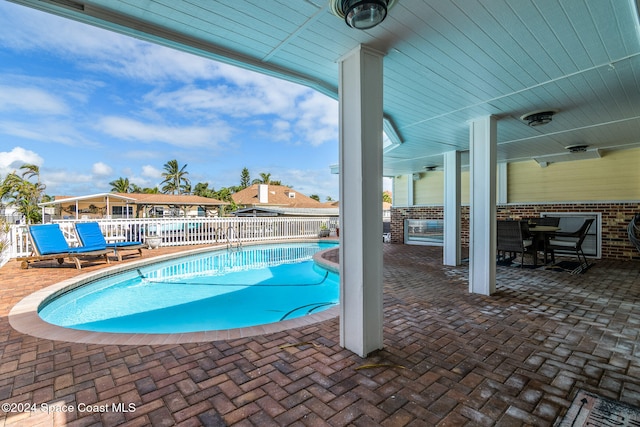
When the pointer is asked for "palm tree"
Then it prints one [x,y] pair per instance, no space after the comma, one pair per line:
[175,178]
[265,178]
[121,185]
[24,194]
[202,189]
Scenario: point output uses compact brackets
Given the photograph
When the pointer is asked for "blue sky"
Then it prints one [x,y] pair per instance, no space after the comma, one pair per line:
[89,106]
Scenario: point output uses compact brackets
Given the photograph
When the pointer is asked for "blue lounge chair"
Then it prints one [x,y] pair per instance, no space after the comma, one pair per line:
[89,234]
[48,243]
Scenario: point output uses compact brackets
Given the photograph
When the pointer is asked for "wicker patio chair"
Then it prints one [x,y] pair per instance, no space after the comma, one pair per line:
[510,240]
[571,241]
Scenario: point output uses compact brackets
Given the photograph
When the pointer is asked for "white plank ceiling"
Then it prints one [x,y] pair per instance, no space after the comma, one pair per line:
[447,62]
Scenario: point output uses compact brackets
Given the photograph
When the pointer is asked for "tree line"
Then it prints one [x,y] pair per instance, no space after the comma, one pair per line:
[23,188]
[176,181]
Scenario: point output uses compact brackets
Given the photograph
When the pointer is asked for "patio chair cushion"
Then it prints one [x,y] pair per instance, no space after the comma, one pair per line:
[48,239]
[89,234]
[564,243]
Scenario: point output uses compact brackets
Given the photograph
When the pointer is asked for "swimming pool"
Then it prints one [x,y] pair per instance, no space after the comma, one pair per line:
[223,289]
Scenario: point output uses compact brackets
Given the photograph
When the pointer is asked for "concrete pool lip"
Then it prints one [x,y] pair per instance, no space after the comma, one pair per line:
[24,317]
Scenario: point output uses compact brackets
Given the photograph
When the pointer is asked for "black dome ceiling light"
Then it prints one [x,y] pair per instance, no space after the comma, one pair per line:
[538,118]
[361,14]
[577,148]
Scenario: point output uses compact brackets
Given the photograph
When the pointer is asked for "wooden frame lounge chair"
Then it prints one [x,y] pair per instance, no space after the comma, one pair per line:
[48,243]
[89,234]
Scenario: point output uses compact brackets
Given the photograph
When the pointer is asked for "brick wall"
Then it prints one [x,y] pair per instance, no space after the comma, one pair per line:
[615,219]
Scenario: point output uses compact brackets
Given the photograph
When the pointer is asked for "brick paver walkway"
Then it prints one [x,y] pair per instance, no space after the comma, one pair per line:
[450,358]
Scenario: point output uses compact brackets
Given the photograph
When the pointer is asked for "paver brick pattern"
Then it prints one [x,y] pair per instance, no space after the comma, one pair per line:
[450,358]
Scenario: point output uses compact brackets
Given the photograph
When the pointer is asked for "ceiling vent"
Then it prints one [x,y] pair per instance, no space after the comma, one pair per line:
[538,118]
[578,148]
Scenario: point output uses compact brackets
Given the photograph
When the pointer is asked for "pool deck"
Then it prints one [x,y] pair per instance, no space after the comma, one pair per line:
[450,358]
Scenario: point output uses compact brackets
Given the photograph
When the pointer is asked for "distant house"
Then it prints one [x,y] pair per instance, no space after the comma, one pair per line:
[279,200]
[131,205]
[10,214]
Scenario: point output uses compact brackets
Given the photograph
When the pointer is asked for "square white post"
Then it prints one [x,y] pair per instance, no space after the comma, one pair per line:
[502,184]
[451,255]
[361,201]
[482,245]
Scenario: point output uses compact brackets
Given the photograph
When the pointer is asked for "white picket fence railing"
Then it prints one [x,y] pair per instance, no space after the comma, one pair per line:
[187,231]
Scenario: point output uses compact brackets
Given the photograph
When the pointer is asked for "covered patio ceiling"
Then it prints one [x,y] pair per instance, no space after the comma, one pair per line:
[447,62]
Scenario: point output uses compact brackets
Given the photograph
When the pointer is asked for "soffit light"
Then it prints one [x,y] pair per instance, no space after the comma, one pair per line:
[578,148]
[538,118]
[361,14]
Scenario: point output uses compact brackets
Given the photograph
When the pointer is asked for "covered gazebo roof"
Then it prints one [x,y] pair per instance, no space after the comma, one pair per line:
[138,199]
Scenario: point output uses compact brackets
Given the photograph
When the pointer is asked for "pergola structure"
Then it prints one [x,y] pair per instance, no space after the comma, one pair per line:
[105,199]
[104,202]
[452,82]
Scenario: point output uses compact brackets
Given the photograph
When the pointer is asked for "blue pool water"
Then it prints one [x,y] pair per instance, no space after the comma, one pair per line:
[217,290]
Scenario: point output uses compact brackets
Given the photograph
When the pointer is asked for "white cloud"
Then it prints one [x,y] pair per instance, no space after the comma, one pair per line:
[180,136]
[26,29]
[230,100]
[308,181]
[302,115]
[69,183]
[281,131]
[101,169]
[31,100]
[151,172]
[49,131]
[12,160]
[318,119]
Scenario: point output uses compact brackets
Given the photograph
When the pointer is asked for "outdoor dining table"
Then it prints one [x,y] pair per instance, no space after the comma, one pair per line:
[541,233]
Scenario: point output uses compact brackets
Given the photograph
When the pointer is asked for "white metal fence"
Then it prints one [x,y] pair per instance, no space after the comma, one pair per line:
[187,231]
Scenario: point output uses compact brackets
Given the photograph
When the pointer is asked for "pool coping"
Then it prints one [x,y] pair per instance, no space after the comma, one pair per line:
[24,317]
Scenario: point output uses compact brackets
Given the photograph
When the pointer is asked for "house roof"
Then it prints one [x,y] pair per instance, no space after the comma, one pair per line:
[277,195]
[140,199]
[100,197]
[173,199]
[285,211]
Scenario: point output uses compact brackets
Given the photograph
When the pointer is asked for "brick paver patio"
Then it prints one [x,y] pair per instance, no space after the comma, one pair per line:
[450,358]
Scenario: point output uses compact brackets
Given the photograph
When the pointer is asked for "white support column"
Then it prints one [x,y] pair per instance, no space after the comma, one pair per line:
[360,90]
[502,184]
[451,255]
[409,189]
[482,245]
